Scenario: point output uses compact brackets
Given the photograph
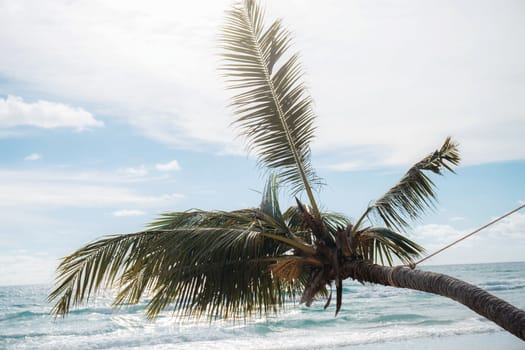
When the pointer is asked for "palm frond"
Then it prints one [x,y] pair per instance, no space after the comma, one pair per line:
[414,193]
[190,260]
[202,218]
[380,245]
[216,273]
[270,202]
[96,266]
[334,222]
[290,268]
[273,107]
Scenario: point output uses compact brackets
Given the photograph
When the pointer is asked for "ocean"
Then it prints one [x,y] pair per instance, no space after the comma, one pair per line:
[372,317]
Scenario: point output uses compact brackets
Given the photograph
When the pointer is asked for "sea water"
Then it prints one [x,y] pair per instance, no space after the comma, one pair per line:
[370,315]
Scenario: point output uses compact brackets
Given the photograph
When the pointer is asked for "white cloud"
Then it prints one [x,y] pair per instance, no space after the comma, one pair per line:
[504,241]
[134,172]
[15,112]
[33,156]
[169,166]
[436,234]
[511,227]
[344,166]
[387,79]
[77,195]
[128,212]
[82,190]
[457,218]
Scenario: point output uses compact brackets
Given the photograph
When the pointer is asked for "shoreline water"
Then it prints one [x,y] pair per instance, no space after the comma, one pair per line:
[372,318]
[499,340]
[485,341]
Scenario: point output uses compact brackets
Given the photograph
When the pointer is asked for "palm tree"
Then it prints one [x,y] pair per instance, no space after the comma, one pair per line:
[249,262]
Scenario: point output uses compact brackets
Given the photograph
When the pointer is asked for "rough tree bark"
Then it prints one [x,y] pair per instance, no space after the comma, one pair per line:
[480,301]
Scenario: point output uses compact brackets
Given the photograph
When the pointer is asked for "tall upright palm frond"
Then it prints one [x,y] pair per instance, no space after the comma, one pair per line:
[273,107]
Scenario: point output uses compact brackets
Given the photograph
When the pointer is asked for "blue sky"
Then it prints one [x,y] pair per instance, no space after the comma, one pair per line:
[113,113]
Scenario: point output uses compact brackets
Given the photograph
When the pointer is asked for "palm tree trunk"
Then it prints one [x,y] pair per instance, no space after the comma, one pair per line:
[480,301]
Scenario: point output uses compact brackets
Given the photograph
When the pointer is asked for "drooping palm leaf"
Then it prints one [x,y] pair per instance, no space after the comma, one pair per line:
[201,263]
[217,273]
[273,107]
[414,193]
[212,263]
[95,266]
[334,221]
[380,245]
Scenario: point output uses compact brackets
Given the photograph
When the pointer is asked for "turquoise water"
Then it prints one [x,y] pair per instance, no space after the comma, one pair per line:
[370,315]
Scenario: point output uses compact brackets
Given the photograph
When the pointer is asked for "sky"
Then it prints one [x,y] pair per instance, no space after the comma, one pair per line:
[114,112]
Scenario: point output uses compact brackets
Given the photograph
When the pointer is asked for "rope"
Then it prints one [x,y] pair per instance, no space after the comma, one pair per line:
[413,265]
